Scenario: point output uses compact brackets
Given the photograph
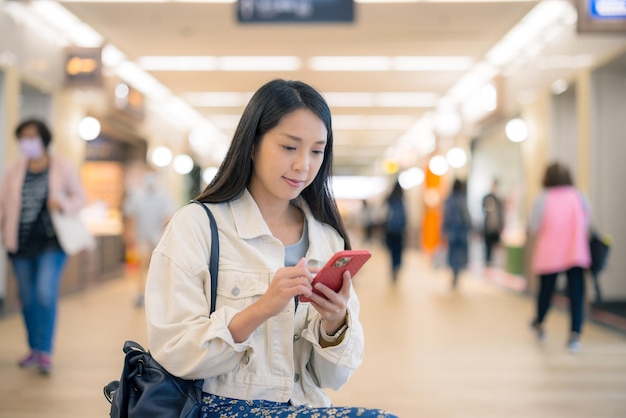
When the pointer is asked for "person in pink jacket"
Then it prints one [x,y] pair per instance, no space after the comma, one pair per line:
[33,187]
[560,222]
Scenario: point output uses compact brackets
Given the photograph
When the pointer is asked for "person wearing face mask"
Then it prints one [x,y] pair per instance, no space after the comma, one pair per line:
[34,186]
[147,210]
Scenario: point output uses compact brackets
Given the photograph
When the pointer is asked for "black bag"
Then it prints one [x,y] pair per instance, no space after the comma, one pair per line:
[146,389]
[599,249]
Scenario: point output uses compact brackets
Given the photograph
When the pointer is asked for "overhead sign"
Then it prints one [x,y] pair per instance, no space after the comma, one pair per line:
[601,15]
[259,11]
[608,9]
[83,67]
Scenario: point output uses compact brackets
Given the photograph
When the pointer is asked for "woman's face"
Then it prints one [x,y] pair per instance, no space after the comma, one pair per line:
[288,157]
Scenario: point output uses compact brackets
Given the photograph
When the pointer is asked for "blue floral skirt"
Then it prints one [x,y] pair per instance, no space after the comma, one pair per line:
[220,407]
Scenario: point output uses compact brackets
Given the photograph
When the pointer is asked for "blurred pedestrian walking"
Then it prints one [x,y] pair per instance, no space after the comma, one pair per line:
[493,212]
[456,227]
[35,186]
[560,223]
[395,228]
[147,209]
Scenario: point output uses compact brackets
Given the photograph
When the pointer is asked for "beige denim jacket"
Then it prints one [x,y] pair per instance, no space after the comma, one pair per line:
[282,360]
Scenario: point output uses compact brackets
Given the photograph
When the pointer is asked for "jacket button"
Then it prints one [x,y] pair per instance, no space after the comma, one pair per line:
[235,291]
[296,377]
[246,358]
[296,337]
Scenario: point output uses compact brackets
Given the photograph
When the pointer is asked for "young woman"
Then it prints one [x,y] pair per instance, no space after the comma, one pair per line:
[261,353]
[35,186]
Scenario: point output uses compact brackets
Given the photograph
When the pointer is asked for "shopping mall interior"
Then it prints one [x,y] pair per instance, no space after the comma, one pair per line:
[422,92]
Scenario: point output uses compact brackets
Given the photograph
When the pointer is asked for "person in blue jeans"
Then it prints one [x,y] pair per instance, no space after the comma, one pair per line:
[35,186]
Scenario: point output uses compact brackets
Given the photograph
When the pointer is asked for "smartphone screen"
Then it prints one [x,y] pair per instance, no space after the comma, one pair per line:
[332,272]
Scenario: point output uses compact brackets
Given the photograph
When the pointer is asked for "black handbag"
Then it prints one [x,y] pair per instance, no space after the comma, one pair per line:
[146,389]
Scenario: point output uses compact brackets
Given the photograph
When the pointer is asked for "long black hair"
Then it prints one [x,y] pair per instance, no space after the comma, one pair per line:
[267,107]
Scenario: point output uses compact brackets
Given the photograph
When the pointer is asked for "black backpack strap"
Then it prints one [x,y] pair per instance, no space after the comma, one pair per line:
[215,254]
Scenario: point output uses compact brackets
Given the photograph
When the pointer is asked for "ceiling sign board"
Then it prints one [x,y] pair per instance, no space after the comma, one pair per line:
[83,67]
[601,15]
[294,11]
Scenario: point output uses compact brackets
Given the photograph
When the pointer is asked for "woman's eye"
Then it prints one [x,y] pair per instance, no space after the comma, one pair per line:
[288,148]
[318,151]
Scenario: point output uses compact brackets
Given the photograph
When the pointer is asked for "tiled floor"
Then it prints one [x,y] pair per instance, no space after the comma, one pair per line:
[430,352]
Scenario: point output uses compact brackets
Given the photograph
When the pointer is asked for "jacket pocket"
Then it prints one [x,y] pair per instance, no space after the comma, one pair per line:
[239,290]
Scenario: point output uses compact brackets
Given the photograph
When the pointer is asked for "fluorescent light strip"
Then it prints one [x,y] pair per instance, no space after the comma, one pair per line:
[334,99]
[425,63]
[339,99]
[349,63]
[260,63]
[178,63]
[57,16]
[292,63]
[228,63]
[372,122]
[141,80]
[217,99]
[401,63]
[406,99]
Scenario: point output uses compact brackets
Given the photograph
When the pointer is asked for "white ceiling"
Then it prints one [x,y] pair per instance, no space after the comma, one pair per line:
[467,29]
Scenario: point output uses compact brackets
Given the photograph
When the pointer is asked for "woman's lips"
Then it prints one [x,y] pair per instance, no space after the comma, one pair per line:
[294,183]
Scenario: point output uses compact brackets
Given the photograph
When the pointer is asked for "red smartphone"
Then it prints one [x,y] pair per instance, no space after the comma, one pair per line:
[332,272]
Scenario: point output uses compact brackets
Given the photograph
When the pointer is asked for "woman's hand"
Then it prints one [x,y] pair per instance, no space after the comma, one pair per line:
[333,308]
[288,283]
[54,205]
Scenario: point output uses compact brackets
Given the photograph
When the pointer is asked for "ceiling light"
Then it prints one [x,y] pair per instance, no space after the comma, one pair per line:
[406,99]
[542,24]
[111,56]
[350,63]
[357,187]
[57,16]
[161,156]
[411,178]
[177,63]
[438,165]
[349,99]
[88,128]
[445,63]
[348,122]
[217,99]
[259,63]
[183,164]
[141,80]
[516,130]
[480,75]
[456,157]
[208,174]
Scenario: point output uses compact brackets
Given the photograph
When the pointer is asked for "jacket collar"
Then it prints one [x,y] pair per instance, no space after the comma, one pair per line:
[249,224]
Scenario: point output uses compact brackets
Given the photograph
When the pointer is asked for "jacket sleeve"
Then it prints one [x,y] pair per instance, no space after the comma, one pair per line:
[334,365]
[181,335]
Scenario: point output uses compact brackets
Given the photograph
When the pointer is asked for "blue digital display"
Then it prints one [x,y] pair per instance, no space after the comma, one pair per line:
[607,9]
